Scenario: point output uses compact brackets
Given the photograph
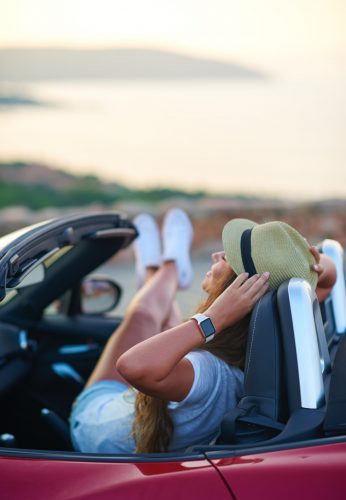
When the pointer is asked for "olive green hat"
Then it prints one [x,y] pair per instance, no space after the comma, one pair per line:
[274,246]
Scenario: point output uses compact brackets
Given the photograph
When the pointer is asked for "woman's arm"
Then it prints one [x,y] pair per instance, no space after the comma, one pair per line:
[156,366]
[326,274]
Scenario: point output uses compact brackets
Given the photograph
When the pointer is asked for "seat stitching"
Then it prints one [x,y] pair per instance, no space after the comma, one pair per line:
[276,381]
[252,334]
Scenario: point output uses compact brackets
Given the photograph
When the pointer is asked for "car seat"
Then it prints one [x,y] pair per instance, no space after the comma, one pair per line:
[334,307]
[286,371]
[334,314]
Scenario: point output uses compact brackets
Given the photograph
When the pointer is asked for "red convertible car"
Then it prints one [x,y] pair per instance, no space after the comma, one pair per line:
[286,439]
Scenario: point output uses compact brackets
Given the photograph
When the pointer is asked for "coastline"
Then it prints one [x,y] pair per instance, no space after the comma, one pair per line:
[315,220]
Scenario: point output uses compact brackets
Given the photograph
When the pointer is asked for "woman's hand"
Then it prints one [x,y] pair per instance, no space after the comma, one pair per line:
[318,267]
[237,300]
[326,271]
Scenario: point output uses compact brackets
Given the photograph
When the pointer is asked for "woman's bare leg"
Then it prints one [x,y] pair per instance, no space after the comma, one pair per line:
[148,310]
[174,317]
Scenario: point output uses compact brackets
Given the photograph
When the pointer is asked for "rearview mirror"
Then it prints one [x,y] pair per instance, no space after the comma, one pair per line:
[98,295]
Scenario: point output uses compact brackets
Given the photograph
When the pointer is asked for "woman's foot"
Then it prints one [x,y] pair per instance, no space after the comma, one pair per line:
[177,234]
[147,246]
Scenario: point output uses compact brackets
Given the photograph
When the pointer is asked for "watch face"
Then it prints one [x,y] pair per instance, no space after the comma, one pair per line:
[207,327]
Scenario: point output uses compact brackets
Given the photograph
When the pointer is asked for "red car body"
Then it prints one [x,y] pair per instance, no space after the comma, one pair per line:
[313,472]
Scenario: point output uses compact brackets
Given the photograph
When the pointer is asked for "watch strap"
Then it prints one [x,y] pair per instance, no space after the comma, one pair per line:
[205,325]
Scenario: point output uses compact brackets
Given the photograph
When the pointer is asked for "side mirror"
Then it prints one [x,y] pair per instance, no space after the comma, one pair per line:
[99,295]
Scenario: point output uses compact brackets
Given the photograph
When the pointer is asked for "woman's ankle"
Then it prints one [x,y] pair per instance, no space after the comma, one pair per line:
[150,272]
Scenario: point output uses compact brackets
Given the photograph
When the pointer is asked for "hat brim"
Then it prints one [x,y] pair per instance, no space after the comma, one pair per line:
[231,237]
[284,262]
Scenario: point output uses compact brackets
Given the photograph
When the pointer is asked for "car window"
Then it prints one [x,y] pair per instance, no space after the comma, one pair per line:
[121,273]
[58,306]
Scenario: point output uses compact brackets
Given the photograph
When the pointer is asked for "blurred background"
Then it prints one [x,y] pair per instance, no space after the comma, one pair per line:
[225,108]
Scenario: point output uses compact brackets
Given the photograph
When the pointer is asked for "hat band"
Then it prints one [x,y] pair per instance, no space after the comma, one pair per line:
[245,248]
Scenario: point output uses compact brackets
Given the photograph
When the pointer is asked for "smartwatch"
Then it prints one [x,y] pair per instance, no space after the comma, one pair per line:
[205,325]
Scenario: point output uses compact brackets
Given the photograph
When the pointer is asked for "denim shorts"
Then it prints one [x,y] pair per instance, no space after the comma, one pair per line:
[90,394]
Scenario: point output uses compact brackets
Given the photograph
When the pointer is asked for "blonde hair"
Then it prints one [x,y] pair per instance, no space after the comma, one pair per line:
[153,427]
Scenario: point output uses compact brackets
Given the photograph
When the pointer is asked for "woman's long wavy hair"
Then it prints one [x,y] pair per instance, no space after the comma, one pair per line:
[153,427]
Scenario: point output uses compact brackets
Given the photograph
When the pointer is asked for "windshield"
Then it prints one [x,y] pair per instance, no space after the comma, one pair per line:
[7,240]
[11,293]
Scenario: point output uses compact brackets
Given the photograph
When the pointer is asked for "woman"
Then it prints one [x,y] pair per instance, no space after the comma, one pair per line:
[188,375]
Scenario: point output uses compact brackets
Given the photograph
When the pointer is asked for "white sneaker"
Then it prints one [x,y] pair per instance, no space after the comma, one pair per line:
[177,234]
[147,245]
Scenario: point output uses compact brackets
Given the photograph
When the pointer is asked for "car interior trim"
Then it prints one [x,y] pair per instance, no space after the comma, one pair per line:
[197,452]
[110,233]
[306,342]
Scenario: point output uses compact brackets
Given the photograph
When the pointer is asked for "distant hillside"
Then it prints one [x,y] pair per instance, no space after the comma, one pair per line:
[54,64]
[38,186]
[30,193]
[18,100]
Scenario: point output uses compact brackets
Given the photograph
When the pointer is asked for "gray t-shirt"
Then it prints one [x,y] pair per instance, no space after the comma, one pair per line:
[102,417]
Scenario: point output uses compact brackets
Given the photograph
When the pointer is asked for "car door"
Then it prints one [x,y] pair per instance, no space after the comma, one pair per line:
[61,350]
[56,476]
[313,470]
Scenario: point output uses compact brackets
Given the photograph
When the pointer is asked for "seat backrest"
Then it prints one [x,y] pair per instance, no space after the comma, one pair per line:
[286,365]
[263,374]
[335,306]
[335,316]
[263,397]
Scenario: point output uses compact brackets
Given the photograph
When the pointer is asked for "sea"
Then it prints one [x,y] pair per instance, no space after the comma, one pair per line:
[279,136]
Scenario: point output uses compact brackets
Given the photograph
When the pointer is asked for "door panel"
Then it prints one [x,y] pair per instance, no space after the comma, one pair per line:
[68,350]
[88,480]
[316,472]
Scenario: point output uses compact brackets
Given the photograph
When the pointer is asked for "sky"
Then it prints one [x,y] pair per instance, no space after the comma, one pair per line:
[264,32]
[300,111]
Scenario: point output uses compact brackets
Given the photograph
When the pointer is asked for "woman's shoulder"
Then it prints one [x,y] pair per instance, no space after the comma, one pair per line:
[214,380]
[204,358]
